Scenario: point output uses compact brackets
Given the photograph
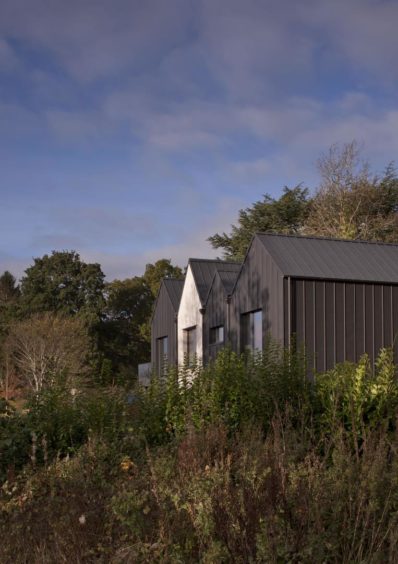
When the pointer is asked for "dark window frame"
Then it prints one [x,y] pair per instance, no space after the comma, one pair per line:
[162,353]
[251,325]
[189,354]
[214,335]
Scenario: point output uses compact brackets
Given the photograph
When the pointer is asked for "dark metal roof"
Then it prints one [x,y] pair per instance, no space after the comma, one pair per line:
[174,288]
[228,279]
[316,257]
[203,272]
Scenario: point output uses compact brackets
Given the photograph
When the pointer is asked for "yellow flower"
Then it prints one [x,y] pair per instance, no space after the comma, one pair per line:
[127,464]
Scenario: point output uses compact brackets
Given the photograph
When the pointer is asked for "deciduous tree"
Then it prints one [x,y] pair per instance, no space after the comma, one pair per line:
[63,283]
[47,346]
[351,202]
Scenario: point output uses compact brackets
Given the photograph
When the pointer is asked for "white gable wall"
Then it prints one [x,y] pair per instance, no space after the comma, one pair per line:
[189,316]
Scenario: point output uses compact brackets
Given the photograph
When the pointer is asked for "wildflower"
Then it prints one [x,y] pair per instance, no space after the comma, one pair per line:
[127,464]
[82,519]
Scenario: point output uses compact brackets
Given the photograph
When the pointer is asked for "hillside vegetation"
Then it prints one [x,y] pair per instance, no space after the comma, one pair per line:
[249,461]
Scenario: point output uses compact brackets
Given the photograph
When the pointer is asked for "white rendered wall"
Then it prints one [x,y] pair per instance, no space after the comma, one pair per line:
[189,316]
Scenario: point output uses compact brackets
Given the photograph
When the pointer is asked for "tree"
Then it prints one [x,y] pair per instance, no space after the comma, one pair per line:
[9,297]
[351,202]
[154,274]
[125,329]
[9,290]
[286,214]
[63,283]
[46,346]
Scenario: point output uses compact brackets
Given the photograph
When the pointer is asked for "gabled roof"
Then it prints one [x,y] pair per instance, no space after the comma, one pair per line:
[333,259]
[227,279]
[203,272]
[174,288]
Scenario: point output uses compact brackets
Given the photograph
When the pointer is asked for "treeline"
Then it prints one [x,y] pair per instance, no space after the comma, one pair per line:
[64,318]
[350,202]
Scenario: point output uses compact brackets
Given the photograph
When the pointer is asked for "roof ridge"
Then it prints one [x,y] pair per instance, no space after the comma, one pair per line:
[213,260]
[321,238]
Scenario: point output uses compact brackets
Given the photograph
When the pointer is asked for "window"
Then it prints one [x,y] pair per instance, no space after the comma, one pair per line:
[190,344]
[252,331]
[162,351]
[217,335]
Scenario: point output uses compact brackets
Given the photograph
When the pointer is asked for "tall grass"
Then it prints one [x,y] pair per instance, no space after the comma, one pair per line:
[246,460]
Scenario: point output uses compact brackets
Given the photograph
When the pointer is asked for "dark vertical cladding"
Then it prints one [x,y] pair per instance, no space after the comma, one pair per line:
[216,315]
[164,324]
[344,320]
[259,286]
[339,298]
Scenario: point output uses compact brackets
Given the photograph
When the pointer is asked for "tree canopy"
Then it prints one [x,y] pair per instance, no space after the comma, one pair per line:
[350,202]
[62,282]
[125,331]
[278,215]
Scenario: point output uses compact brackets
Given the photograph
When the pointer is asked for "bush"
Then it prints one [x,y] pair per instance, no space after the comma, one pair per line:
[246,460]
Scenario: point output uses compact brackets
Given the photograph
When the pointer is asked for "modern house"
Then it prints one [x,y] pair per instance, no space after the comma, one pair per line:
[339,298]
[217,312]
[198,279]
[164,324]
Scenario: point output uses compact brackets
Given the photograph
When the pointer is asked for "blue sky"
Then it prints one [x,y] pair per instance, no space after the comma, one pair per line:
[133,130]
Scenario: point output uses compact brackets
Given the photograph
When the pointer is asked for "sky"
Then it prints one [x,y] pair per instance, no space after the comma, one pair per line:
[133,130]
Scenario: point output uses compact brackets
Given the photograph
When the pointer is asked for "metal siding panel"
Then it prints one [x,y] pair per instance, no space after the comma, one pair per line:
[369,321]
[395,321]
[330,320]
[300,311]
[163,324]
[387,316]
[309,305]
[320,339]
[340,321]
[378,318]
[350,353]
[286,324]
[359,320]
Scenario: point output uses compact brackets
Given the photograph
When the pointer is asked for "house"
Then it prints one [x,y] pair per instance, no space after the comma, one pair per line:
[338,298]
[198,279]
[164,324]
[217,316]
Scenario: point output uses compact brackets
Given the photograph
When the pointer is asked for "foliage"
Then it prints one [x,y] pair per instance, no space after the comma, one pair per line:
[45,346]
[350,202]
[246,460]
[124,333]
[63,283]
[154,274]
[286,214]
[9,289]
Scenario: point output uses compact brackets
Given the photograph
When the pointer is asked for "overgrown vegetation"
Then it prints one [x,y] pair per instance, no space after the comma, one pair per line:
[247,460]
[244,461]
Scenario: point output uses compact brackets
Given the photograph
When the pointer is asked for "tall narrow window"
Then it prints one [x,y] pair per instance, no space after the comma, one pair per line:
[162,353]
[190,344]
[252,331]
[217,335]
